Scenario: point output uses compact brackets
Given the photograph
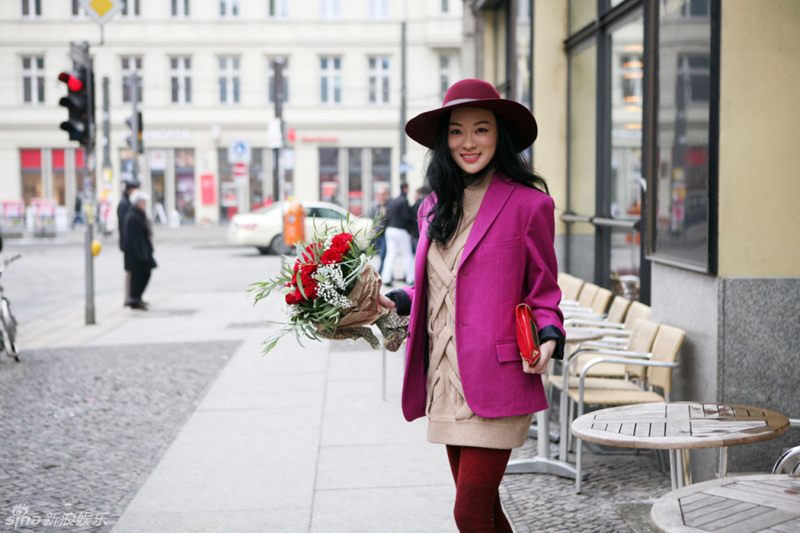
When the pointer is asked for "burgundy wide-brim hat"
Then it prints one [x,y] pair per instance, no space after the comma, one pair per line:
[480,94]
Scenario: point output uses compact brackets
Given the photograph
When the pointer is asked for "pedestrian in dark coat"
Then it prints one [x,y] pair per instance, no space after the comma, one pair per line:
[123,209]
[138,249]
[398,239]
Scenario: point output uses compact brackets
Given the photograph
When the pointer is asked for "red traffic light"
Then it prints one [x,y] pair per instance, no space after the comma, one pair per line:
[74,84]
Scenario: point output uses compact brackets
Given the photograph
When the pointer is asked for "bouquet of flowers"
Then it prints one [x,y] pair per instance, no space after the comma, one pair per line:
[331,292]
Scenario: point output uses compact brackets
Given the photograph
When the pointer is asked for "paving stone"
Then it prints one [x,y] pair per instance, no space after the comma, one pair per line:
[81,428]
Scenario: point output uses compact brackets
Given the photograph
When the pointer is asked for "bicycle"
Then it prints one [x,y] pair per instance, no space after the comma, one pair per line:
[8,324]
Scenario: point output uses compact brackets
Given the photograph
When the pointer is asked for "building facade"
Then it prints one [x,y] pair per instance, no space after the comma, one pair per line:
[666,131]
[206,91]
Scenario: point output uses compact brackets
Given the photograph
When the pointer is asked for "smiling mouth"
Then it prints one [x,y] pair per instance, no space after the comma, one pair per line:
[469,158]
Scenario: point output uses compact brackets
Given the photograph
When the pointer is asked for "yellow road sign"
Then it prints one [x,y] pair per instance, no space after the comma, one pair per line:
[101,10]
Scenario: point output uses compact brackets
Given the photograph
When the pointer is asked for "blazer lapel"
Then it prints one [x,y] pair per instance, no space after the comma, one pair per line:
[495,198]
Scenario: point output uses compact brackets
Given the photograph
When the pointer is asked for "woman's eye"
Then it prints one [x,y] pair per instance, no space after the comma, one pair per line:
[455,132]
[482,130]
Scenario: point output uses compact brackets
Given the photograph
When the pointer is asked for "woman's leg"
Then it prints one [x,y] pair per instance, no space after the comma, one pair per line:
[478,473]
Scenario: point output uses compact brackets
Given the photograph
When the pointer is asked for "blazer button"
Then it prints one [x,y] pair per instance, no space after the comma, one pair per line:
[463,274]
[464,325]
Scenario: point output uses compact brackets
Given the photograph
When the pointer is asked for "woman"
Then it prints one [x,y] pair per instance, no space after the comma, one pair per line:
[486,245]
[138,249]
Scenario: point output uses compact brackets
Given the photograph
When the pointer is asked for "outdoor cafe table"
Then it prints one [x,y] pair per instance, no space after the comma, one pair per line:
[738,504]
[542,463]
[680,426]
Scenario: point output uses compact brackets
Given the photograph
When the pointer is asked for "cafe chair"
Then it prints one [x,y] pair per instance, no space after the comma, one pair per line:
[662,360]
[788,462]
[638,348]
[597,309]
[585,298]
[570,287]
[615,333]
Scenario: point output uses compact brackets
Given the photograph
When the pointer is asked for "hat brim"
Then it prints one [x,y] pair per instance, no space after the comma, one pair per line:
[423,127]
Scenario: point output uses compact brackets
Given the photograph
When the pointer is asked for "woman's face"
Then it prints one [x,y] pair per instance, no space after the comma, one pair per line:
[472,138]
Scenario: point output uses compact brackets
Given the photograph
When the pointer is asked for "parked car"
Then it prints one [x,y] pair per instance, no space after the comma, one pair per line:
[263,228]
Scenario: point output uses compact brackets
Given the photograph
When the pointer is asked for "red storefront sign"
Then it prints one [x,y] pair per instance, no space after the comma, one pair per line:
[208,192]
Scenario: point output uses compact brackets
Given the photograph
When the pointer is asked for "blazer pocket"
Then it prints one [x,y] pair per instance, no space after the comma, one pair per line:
[502,244]
[508,352]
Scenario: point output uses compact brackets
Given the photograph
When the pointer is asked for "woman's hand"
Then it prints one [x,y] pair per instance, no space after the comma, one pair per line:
[387,302]
[545,353]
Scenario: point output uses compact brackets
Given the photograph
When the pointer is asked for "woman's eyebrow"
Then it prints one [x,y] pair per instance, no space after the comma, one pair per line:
[479,122]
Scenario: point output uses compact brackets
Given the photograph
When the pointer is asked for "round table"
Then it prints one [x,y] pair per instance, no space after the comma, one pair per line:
[740,504]
[680,426]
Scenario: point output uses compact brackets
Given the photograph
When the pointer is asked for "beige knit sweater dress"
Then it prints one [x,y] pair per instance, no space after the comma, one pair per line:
[451,421]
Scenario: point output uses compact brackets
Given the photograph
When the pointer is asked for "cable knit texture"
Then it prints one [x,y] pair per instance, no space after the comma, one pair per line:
[451,419]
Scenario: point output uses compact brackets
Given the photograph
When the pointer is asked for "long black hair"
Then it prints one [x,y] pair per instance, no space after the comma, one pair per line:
[445,178]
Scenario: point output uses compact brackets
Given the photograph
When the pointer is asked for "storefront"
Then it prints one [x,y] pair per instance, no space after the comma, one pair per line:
[665,131]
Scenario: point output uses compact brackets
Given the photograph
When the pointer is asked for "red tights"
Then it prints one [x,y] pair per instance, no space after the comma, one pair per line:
[478,473]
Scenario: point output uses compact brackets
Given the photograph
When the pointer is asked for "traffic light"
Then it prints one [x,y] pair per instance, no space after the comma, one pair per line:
[80,122]
[136,131]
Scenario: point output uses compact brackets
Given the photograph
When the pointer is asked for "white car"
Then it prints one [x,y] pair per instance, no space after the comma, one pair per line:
[263,228]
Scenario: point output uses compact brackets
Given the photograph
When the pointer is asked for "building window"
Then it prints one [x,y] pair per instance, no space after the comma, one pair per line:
[78,11]
[631,72]
[184,183]
[33,80]
[331,80]
[229,8]
[31,167]
[694,74]
[278,9]
[329,185]
[379,80]
[330,9]
[229,80]
[381,159]
[129,66]
[181,79]
[130,8]
[380,9]
[445,6]
[180,9]
[284,79]
[31,8]
[444,75]
[696,9]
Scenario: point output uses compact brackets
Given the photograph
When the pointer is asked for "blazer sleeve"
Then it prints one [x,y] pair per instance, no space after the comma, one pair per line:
[542,292]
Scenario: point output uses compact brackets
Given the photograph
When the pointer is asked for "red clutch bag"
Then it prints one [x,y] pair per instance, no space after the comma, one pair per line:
[527,336]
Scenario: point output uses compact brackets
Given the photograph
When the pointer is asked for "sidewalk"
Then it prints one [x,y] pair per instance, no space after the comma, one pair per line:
[299,440]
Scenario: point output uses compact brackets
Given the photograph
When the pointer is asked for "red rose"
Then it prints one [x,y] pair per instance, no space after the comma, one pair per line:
[331,256]
[294,298]
[343,238]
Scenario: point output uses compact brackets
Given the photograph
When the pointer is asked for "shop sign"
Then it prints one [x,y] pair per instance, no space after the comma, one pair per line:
[208,194]
[319,139]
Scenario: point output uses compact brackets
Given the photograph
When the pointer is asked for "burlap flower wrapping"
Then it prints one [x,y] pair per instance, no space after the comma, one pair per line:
[366,311]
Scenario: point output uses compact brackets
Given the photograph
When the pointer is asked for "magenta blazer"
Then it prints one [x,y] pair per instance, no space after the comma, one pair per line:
[508,259]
